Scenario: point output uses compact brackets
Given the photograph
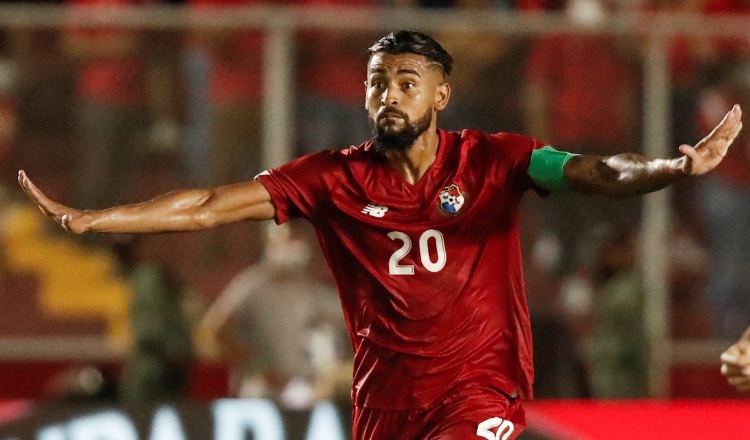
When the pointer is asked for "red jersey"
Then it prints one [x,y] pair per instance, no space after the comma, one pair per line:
[429,275]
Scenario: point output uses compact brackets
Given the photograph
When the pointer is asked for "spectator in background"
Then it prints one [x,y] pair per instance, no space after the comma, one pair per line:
[581,94]
[725,201]
[558,366]
[481,101]
[330,111]
[162,76]
[282,327]
[582,90]
[688,271]
[235,96]
[160,361]
[617,347]
[693,61]
[684,56]
[195,145]
[112,117]
[234,63]
[687,57]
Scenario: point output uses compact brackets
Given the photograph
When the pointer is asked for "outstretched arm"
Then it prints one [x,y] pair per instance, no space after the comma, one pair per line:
[625,175]
[182,210]
[735,363]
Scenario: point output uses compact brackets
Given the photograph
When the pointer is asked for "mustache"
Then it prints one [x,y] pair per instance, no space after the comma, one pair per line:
[390,112]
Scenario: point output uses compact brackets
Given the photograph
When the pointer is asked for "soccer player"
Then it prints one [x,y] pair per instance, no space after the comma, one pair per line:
[419,227]
[735,363]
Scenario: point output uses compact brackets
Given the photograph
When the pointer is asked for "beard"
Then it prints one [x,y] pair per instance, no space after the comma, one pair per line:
[388,138]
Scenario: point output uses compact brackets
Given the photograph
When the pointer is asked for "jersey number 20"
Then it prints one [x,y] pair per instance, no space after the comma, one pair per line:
[394,268]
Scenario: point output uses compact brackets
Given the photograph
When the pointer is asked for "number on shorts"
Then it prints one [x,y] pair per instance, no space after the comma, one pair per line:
[504,429]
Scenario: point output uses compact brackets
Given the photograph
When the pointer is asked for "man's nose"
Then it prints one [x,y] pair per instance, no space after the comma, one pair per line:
[390,96]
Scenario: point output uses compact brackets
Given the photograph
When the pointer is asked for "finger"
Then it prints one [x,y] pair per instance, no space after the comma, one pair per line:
[733,116]
[49,207]
[65,222]
[731,354]
[733,371]
[692,155]
[739,382]
[733,135]
[22,179]
[32,190]
[737,110]
[728,128]
[733,129]
[743,350]
[743,387]
[720,141]
[730,369]
[689,151]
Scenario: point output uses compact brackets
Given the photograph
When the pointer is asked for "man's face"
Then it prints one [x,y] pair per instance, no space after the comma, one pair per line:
[404,94]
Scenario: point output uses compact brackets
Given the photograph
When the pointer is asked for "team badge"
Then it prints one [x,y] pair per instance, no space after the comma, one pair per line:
[451,200]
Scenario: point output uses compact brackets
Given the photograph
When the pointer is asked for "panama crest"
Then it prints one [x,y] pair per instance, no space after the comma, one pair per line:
[451,200]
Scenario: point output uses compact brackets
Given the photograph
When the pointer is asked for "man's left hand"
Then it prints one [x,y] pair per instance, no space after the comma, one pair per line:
[710,151]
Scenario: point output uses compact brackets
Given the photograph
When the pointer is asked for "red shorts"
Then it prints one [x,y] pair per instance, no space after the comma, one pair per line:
[470,414]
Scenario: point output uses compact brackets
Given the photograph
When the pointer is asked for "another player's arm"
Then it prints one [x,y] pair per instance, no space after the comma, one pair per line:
[181,210]
[735,363]
[631,174]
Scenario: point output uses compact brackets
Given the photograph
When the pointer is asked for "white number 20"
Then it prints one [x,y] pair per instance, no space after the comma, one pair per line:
[504,429]
[394,268]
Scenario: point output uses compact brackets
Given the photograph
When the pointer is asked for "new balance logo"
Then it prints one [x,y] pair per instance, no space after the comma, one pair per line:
[375,210]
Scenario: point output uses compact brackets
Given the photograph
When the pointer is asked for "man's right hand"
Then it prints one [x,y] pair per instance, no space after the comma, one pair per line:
[69,218]
[735,364]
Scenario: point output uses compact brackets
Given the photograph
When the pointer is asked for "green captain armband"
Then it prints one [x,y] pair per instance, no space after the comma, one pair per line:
[546,168]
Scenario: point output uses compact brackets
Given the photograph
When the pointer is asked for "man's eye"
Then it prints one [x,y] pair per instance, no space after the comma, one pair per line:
[408,85]
[376,84]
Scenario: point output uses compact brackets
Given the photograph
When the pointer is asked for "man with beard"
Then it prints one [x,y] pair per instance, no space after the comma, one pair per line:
[419,227]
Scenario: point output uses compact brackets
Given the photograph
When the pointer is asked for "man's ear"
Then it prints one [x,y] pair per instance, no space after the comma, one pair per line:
[443,95]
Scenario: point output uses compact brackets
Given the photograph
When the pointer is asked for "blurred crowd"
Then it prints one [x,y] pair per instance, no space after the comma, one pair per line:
[114,115]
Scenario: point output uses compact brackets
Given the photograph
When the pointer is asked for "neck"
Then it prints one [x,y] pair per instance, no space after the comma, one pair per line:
[414,162]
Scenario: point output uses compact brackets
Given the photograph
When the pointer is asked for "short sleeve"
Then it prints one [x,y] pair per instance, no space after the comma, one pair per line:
[300,188]
[515,153]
